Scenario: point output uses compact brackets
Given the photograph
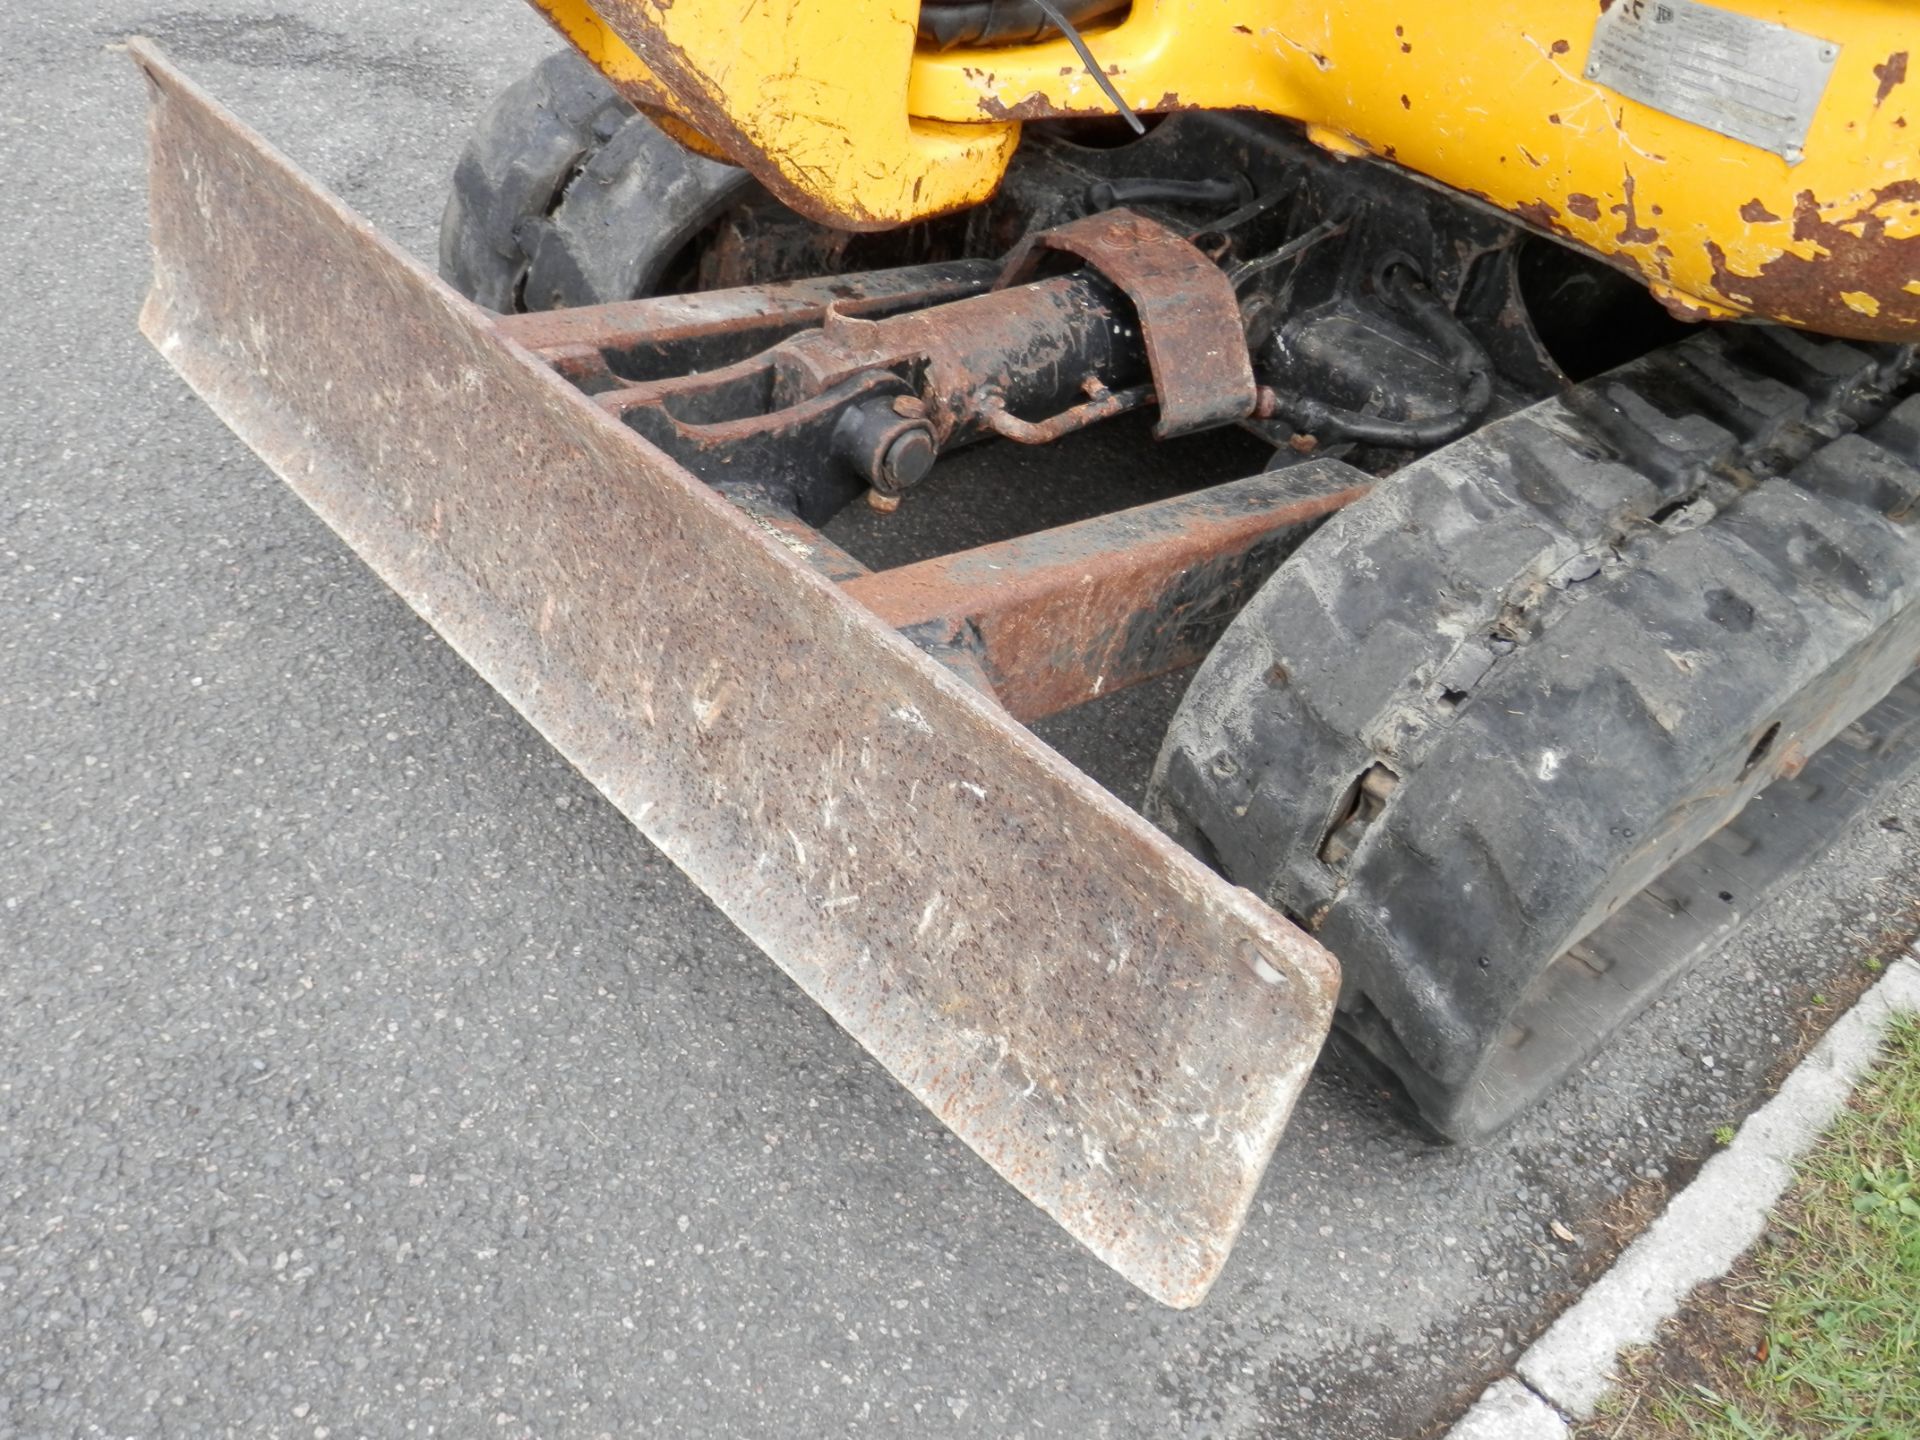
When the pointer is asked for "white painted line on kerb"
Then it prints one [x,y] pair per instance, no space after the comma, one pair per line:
[1509,1411]
[1706,1227]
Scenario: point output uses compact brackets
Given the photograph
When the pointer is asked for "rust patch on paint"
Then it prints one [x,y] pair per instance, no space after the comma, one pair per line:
[1890,72]
[1585,206]
[1542,216]
[1632,232]
[1039,107]
[1035,107]
[1857,258]
[1755,213]
[1559,47]
[1680,307]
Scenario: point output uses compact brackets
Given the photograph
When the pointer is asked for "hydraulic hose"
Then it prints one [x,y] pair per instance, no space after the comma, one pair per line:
[946,23]
[1403,288]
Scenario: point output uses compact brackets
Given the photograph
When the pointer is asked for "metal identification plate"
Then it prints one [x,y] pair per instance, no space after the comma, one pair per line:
[1733,74]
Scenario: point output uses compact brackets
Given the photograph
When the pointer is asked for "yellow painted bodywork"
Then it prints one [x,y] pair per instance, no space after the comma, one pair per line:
[810,96]
[830,103]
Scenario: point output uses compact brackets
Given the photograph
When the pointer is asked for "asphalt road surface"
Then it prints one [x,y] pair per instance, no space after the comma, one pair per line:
[362,1073]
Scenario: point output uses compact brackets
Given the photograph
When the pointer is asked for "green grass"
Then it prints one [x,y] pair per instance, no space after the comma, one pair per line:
[1817,1333]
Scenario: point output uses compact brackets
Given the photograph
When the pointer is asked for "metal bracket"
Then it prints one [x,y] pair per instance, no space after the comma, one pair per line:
[1189,316]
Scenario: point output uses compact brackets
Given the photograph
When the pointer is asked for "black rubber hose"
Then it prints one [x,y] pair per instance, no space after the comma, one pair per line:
[1406,291]
[1106,194]
[946,23]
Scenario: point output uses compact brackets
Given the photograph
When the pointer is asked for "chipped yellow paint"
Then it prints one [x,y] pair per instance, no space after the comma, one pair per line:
[1689,307]
[811,96]
[610,54]
[815,96]
[1337,142]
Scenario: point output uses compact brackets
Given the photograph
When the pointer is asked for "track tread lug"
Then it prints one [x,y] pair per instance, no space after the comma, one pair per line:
[1899,432]
[1643,657]
[525,146]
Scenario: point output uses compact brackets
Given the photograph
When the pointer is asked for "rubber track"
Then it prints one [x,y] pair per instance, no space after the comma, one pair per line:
[636,203]
[534,137]
[1559,653]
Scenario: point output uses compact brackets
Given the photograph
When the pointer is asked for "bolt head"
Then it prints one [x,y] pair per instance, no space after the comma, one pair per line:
[908,459]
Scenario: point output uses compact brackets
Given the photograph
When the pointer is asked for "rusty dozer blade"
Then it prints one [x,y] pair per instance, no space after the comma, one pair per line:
[1112,1027]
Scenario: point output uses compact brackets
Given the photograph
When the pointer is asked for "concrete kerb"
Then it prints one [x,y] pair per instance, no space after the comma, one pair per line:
[1563,1376]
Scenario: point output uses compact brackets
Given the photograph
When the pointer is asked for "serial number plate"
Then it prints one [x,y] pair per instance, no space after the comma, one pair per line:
[1733,74]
